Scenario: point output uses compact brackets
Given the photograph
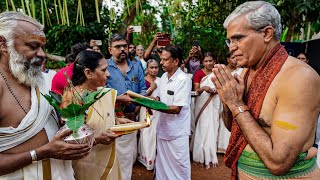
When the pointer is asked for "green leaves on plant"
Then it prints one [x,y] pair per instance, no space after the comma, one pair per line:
[75,122]
[74,112]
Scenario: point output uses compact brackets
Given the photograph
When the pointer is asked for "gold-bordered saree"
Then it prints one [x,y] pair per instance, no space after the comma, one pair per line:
[102,162]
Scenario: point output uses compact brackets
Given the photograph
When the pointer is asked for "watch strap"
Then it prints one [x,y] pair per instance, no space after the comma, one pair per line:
[239,110]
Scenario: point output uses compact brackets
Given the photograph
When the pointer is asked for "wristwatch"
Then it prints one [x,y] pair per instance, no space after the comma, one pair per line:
[239,110]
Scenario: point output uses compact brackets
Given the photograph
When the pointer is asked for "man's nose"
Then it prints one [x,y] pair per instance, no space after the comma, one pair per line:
[233,46]
[41,53]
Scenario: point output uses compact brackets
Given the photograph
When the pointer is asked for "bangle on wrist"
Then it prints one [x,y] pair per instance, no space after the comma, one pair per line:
[34,157]
[239,110]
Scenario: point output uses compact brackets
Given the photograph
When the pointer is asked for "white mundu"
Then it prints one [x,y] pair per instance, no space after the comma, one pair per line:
[41,116]
[173,130]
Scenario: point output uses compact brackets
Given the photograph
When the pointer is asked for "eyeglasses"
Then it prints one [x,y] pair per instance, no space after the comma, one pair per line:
[125,46]
[237,38]
[140,49]
[160,49]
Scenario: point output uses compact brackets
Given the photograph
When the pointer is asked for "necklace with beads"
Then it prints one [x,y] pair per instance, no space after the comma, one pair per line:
[12,93]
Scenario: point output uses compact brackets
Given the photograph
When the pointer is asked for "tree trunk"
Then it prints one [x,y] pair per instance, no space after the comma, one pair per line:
[129,18]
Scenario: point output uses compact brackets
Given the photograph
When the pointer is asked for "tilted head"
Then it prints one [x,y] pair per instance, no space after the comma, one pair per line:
[253,29]
[22,46]
[259,15]
[90,67]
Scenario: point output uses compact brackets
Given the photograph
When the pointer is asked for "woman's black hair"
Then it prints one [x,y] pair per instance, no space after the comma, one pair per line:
[85,59]
[209,54]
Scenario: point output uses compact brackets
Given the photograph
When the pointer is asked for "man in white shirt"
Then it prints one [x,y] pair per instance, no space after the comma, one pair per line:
[173,161]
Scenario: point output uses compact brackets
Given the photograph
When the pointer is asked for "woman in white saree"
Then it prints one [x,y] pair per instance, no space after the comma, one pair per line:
[207,110]
[147,141]
[90,72]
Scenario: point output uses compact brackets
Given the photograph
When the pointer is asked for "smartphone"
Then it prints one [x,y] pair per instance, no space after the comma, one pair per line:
[163,42]
[136,28]
[95,42]
[196,43]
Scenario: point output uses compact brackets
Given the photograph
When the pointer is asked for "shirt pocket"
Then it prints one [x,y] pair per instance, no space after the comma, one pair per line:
[135,84]
[170,97]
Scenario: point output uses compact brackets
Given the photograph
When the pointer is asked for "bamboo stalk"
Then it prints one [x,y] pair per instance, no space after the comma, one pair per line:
[137,6]
[33,9]
[13,6]
[56,9]
[28,7]
[78,9]
[7,4]
[63,21]
[83,24]
[23,7]
[97,11]
[42,12]
[47,13]
[66,11]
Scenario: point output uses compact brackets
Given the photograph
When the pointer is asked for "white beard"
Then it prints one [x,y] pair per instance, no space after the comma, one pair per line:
[23,70]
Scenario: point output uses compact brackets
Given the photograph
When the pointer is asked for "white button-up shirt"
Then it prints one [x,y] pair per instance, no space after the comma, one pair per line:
[175,91]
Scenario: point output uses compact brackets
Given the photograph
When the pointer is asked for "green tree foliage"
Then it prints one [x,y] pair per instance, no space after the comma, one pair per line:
[204,22]
[296,14]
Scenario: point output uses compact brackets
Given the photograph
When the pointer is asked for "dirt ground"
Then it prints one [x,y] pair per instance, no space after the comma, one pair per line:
[197,172]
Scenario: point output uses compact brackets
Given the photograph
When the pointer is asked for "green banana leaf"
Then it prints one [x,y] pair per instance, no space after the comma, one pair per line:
[156,105]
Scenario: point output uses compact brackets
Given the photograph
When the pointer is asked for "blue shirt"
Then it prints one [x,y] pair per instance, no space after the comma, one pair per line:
[133,80]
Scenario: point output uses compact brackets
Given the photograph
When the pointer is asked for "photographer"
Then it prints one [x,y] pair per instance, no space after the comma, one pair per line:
[194,60]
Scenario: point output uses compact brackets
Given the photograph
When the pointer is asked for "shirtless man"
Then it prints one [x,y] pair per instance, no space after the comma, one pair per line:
[27,122]
[272,109]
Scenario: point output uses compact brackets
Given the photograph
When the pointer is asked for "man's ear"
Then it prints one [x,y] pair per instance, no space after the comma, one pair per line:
[268,33]
[109,48]
[177,62]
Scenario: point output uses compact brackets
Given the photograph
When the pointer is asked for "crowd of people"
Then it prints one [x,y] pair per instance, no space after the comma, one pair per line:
[260,110]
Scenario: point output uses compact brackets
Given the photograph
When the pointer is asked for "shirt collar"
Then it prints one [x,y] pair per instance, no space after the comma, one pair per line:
[113,63]
[175,74]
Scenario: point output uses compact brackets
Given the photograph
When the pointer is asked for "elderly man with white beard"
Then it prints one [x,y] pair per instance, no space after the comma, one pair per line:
[29,148]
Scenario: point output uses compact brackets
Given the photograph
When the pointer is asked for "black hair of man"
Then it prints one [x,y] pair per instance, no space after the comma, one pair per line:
[116,37]
[176,52]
